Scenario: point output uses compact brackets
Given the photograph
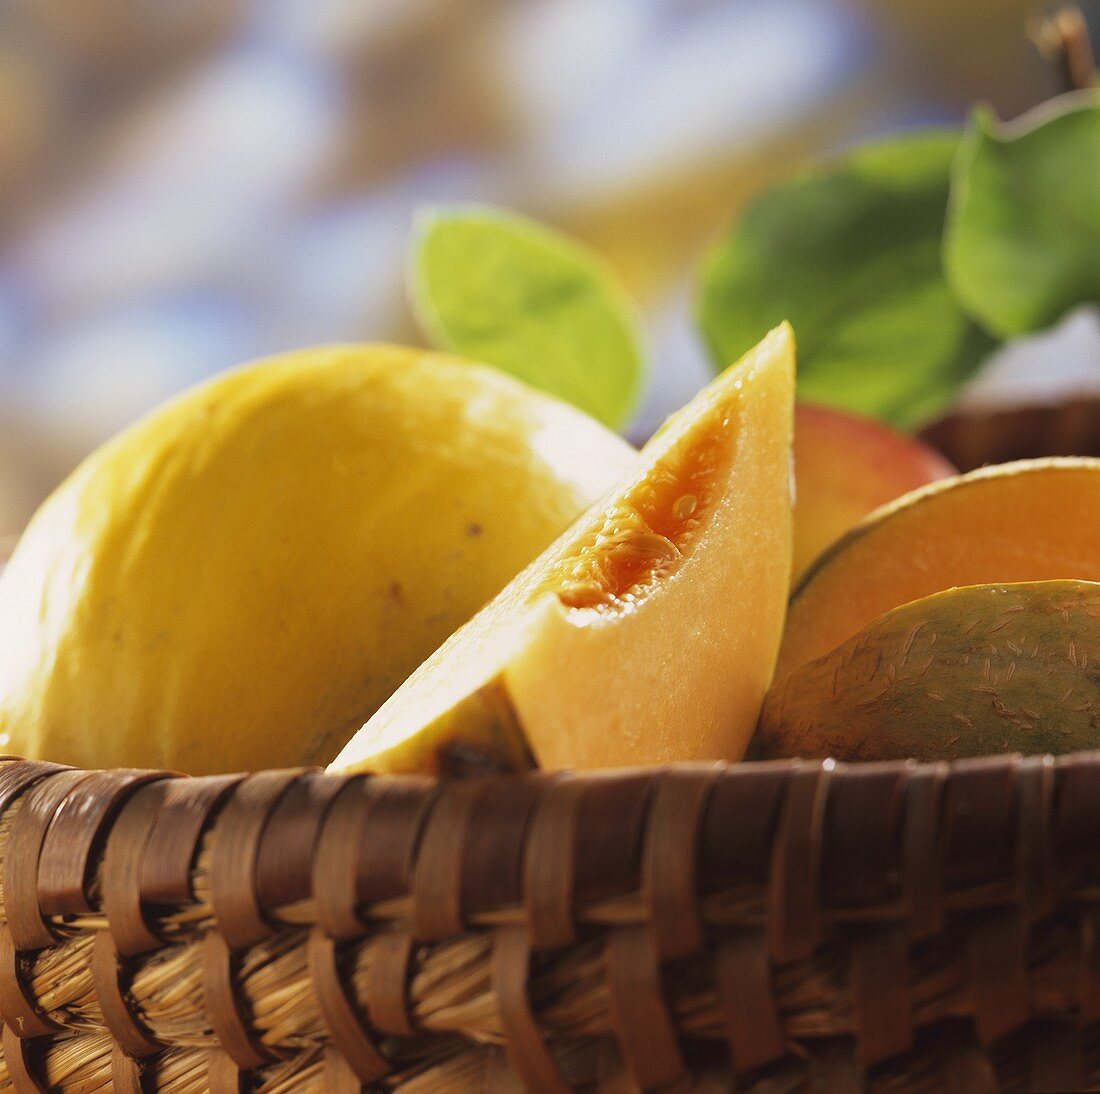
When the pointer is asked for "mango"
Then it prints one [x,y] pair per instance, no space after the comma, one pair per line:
[846,466]
[967,672]
[240,579]
[1033,520]
[648,632]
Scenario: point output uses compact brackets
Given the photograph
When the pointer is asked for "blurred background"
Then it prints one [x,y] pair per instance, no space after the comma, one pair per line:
[184,186]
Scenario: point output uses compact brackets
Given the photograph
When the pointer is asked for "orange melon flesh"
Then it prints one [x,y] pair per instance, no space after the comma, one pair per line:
[1033,520]
[648,632]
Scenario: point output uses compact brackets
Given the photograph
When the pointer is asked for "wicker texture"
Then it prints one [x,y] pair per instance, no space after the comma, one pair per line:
[974,438]
[764,927]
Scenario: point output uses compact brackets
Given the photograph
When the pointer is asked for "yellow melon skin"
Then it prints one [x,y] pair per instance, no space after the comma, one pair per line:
[1032,520]
[972,671]
[648,632]
[239,580]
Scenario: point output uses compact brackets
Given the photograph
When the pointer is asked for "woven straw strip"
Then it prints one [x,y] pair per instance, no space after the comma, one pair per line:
[644,1028]
[1056,1062]
[126,1073]
[612,817]
[943,1060]
[880,993]
[348,1032]
[340,1078]
[670,862]
[524,1046]
[224,1075]
[388,984]
[79,824]
[123,858]
[333,880]
[224,1005]
[496,842]
[550,865]
[500,1076]
[796,924]
[18,1065]
[938,985]
[289,840]
[437,880]
[861,863]
[612,1074]
[18,1006]
[38,809]
[740,825]
[1089,972]
[1037,884]
[233,867]
[752,1023]
[17,776]
[922,869]
[173,842]
[389,851]
[998,974]
[117,1016]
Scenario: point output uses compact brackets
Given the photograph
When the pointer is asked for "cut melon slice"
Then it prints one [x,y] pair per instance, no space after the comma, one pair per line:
[1033,520]
[648,632]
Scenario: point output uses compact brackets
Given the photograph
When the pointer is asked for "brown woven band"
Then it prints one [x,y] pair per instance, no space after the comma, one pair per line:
[551,864]
[132,1038]
[224,1006]
[79,822]
[889,927]
[18,1007]
[233,871]
[123,860]
[349,1035]
[525,1048]
[437,880]
[170,851]
[387,989]
[670,865]
[18,1066]
[289,840]
[127,1076]
[639,1014]
[28,832]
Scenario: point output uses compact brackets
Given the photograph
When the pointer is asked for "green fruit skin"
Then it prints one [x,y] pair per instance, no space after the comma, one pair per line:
[972,671]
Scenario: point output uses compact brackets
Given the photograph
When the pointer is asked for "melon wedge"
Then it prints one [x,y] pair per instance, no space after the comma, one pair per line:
[648,632]
[971,671]
[1033,520]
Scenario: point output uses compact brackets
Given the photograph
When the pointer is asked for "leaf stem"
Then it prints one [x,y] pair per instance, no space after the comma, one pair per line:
[1062,37]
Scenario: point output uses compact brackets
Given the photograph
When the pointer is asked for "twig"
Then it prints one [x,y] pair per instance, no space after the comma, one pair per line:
[1062,37]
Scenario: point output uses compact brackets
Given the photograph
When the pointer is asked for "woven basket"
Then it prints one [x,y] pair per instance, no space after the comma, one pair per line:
[972,438]
[763,927]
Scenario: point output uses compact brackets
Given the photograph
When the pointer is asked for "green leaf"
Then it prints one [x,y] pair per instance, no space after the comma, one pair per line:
[850,254]
[504,290]
[1023,235]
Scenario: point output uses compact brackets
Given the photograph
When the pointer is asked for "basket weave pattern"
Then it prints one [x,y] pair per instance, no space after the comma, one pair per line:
[765,927]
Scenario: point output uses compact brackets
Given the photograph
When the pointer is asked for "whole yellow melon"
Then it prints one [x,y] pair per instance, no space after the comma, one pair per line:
[240,579]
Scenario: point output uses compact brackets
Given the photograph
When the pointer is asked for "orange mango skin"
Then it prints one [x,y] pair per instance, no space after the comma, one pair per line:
[1033,520]
[845,467]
